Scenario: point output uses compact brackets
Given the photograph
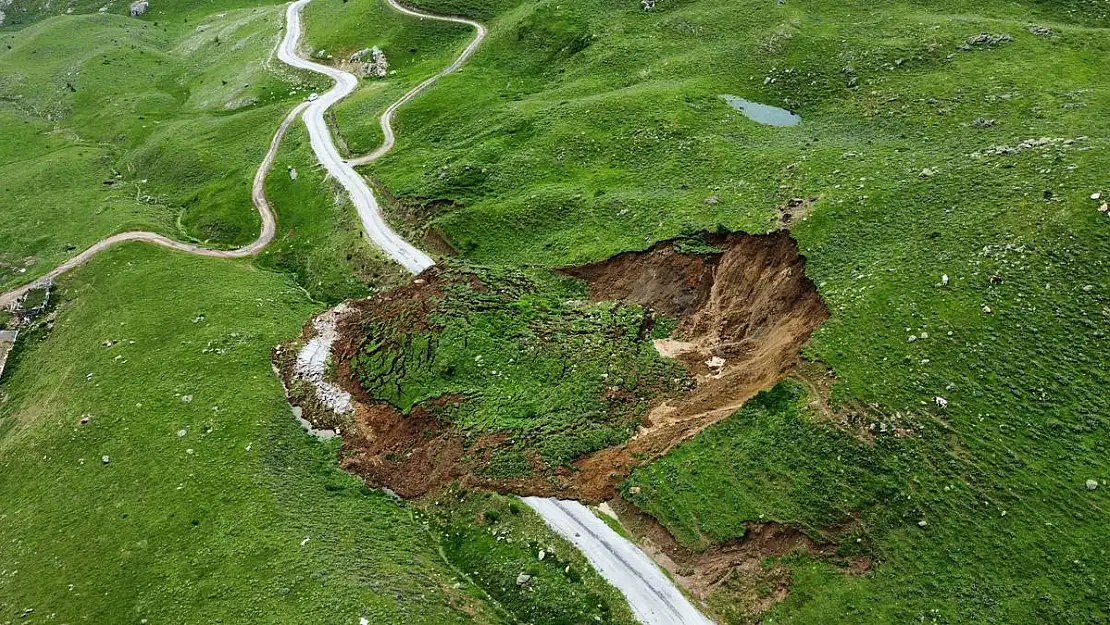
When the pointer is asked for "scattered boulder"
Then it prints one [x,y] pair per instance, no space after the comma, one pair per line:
[523,579]
[1040,31]
[1092,484]
[648,5]
[986,40]
[367,63]
[138,7]
[105,459]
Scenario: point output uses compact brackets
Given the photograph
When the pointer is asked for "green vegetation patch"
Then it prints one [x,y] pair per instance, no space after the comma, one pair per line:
[520,355]
[150,467]
[113,123]
[765,463]
[536,575]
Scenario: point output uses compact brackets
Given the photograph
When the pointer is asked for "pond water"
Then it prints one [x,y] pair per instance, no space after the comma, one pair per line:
[762,113]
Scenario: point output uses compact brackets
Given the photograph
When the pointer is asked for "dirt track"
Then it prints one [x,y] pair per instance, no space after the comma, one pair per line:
[258,197]
[386,120]
[324,146]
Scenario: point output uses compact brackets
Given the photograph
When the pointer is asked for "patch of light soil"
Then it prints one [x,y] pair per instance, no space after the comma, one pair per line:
[671,348]
[312,361]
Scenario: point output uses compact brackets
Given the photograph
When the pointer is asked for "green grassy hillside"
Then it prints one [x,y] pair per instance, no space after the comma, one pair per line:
[416,49]
[578,131]
[119,123]
[585,129]
[213,505]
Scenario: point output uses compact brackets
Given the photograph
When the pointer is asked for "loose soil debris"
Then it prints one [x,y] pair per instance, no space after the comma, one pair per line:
[744,568]
[795,210]
[744,306]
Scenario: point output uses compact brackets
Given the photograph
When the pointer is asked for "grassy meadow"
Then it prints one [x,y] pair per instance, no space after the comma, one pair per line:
[190,494]
[578,130]
[581,130]
[119,123]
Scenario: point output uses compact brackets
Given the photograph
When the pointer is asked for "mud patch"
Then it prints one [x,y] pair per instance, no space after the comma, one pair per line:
[795,210]
[739,579]
[743,306]
[744,313]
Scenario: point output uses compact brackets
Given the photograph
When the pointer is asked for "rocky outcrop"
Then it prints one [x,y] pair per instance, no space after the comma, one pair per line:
[367,63]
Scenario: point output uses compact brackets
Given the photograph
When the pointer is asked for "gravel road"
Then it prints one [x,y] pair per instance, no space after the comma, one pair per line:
[653,597]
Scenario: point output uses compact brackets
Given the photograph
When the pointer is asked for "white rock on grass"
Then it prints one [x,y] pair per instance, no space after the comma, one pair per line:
[1092,484]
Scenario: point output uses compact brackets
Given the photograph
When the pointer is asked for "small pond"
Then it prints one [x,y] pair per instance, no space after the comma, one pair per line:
[762,113]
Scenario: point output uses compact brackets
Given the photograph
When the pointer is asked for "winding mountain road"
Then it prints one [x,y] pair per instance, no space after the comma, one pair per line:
[258,197]
[362,197]
[386,120]
[653,597]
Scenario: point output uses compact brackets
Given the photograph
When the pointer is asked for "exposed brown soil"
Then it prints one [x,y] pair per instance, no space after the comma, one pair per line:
[795,210]
[744,314]
[737,567]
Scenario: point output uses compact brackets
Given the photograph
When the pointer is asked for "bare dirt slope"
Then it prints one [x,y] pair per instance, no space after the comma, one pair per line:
[744,312]
[744,315]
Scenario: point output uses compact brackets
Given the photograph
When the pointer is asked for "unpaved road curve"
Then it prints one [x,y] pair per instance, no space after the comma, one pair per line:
[362,197]
[258,197]
[654,599]
[386,120]
[368,210]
